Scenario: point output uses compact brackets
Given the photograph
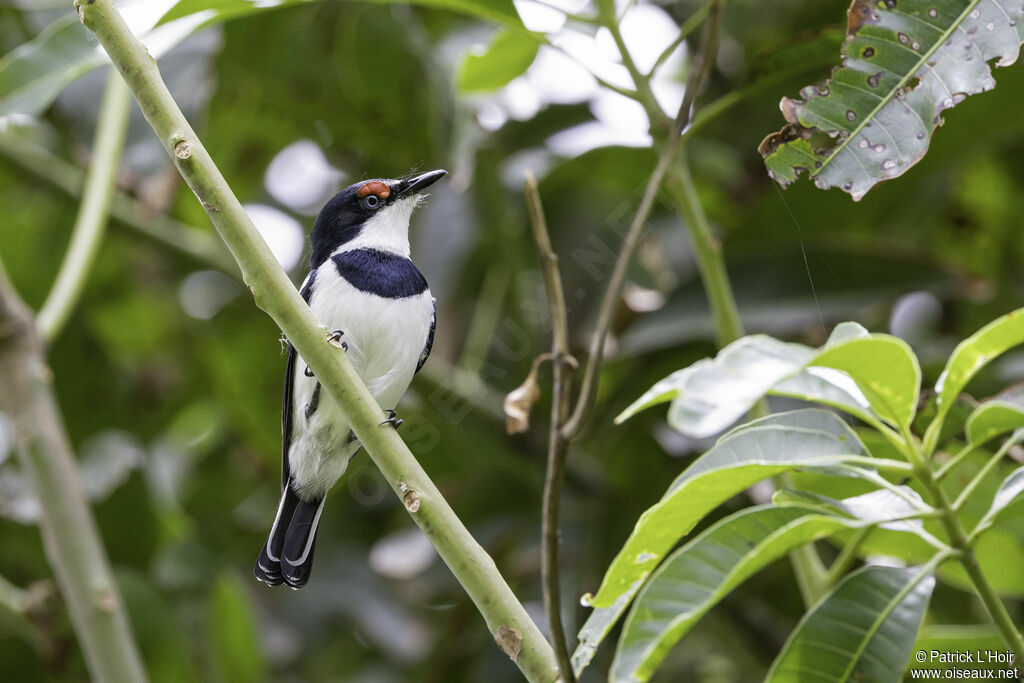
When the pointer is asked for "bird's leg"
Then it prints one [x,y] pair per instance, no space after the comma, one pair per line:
[334,339]
[314,401]
[392,420]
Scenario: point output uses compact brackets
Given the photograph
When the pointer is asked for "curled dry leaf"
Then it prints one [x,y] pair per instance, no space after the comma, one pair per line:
[520,400]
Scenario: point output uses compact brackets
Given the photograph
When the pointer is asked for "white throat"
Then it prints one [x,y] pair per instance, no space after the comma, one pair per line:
[388,230]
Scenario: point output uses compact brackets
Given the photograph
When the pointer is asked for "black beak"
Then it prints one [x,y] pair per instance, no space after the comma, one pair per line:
[421,182]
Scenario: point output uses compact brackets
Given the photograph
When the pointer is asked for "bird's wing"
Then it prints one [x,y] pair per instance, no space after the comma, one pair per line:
[289,387]
[425,353]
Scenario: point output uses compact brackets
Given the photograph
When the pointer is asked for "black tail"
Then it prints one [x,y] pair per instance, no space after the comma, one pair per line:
[287,556]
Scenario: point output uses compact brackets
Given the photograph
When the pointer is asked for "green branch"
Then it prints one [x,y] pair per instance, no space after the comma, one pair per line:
[70,537]
[92,211]
[509,623]
[959,541]
[708,250]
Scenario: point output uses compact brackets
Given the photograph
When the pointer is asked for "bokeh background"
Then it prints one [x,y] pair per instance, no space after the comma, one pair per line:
[169,377]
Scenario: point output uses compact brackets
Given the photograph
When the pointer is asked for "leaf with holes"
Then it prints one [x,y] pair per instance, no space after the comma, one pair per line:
[904,63]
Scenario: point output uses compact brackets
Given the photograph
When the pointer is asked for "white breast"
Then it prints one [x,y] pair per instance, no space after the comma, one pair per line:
[385,338]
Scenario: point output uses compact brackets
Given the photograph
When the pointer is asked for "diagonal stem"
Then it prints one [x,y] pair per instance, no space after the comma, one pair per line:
[507,620]
[708,248]
[91,221]
[959,540]
[588,389]
[72,541]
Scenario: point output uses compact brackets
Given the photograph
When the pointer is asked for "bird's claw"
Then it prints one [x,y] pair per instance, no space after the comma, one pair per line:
[334,339]
[392,420]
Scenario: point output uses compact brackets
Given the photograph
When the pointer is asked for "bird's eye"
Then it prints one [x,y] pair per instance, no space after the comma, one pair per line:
[371,201]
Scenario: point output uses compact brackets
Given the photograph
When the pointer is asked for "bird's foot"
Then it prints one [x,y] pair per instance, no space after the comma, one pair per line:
[334,339]
[392,420]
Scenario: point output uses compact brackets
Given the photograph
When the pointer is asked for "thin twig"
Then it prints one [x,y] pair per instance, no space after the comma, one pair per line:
[959,457]
[625,92]
[507,620]
[588,389]
[708,248]
[984,472]
[91,221]
[959,541]
[688,27]
[70,537]
[847,556]
[558,447]
[640,82]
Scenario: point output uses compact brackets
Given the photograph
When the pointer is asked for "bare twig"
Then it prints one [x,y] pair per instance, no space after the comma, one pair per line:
[558,446]
[92,212]
[588,389]
[72,542]
[685,30]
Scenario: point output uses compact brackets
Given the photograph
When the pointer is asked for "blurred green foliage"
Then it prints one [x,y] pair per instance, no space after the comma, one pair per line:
[373,86]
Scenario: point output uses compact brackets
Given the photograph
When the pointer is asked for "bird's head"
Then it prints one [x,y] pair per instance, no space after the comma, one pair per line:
[370,214]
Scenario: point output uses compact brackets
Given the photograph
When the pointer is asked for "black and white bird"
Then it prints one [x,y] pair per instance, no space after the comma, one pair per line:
[362,284]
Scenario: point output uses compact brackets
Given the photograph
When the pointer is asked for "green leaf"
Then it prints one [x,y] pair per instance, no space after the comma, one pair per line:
[235,641]
[844,332]
[992,419]
[598,625]
[863,631]
[884,368]
[32,75]
[970,356]
[700,574]
[663,391]
[813,439]
[1009,490]
[829,387]
[903,65]
[712,394]
[509,55]
[1000,554]
[502,11]
[718,392]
